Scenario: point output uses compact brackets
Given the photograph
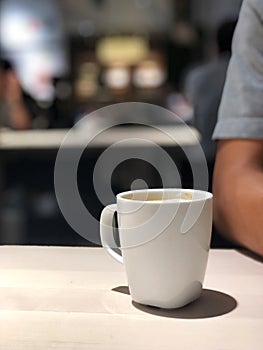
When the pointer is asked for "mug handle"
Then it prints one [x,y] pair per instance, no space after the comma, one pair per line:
[106,232]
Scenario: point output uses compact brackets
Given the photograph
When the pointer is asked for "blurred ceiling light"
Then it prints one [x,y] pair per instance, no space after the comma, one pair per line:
[128,50]
[32,37]
[149,74]
[86,28]
[11,26]
[117,77]
[25,23]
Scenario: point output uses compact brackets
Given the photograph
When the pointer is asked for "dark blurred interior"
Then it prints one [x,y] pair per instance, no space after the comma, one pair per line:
[73,57]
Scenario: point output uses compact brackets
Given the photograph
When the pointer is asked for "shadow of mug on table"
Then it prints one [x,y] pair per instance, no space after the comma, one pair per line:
[211,303]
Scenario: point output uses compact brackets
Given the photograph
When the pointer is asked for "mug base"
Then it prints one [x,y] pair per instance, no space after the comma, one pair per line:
[174,303]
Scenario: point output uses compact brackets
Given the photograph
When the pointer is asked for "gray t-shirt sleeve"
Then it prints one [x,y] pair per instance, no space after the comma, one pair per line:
[241,109]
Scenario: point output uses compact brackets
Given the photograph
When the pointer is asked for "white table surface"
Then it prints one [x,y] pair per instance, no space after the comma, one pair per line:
[63,298]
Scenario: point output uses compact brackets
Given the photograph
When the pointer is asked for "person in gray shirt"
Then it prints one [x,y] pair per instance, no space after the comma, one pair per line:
[238,173]
[204,86]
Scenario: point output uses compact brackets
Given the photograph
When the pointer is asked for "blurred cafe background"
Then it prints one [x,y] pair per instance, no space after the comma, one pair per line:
[63,59]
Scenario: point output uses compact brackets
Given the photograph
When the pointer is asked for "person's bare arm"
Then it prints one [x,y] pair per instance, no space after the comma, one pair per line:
[238,192]
[19,116]
[18,113]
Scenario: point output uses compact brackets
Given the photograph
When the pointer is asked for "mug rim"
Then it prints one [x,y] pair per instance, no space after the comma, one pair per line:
[208,195]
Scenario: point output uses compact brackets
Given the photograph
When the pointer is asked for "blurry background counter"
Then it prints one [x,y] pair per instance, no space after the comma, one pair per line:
[27,160]
[48,139]
[77,298]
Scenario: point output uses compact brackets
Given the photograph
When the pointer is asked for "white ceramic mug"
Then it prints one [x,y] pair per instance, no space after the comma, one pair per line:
[164,243]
